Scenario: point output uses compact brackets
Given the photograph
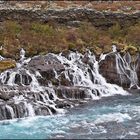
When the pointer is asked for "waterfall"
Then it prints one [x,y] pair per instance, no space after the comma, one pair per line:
[22,54]
[33,94]
[126,66]
[10,109]
[82,74]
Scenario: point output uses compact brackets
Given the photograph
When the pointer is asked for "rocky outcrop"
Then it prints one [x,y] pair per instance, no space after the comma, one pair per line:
[20,100]
[108,69]
[24,99]
[71,16]
[50,83]
[138,69]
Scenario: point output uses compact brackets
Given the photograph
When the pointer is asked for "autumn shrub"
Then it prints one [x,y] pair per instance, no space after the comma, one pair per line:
[104,42]
[115,32]
[71,36]
[42,28]
[133,36]
[41,38]
[12,27]
[88,33]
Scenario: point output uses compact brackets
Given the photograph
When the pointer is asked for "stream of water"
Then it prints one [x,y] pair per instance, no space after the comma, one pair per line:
[111,117]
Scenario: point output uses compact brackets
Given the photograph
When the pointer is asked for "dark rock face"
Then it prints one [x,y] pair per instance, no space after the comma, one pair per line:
[69,96]
[71,17]
[19,100]
[108,70]
[46,65]
[138,69]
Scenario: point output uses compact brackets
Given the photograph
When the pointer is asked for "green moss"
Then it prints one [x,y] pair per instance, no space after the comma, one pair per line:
[55,82]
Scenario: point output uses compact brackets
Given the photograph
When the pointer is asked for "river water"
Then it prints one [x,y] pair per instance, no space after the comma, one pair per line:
[110,117]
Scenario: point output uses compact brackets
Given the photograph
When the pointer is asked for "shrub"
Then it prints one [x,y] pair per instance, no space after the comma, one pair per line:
[115,32]
[7,64]
[88,33]
[131,49]
[71,36]
[71,46]
[133,35]
[12,27]
[39,38]
[42,28]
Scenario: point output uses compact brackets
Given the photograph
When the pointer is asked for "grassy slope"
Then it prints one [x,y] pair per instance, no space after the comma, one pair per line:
[37,38]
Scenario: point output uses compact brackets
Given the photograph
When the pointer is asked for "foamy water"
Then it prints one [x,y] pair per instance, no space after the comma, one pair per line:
[111,117]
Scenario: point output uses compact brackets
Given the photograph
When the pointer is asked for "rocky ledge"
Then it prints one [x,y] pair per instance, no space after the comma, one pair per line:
[71,16]
[49,84]
[108,68]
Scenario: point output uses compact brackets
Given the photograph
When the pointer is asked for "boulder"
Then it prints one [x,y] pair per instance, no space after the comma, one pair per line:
[107,69]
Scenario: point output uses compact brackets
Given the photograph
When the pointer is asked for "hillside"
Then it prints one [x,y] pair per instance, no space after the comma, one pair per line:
[54,26]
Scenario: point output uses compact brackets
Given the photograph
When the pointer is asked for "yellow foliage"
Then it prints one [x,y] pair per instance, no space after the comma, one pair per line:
[132,50]
[7,64]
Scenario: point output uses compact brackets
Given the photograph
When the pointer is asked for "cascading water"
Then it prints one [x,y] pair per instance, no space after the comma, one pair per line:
[87,75]
[127,66]
[30,97]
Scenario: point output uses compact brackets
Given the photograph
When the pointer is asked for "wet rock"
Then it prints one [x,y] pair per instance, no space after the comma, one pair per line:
[24,79]
[19,110]
[71,92]
[46,65]
[56,90]
[19,106]
[108,70]
[6,94]
[138,68]
[64,81]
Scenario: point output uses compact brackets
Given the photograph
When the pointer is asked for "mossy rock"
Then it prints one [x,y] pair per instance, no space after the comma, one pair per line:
[7,64]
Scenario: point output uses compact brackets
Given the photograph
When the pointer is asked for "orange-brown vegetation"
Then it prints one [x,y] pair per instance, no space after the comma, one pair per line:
[37,38]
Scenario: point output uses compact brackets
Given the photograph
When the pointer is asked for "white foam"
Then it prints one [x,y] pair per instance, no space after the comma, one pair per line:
[132,133]
[83,75]
[117,117]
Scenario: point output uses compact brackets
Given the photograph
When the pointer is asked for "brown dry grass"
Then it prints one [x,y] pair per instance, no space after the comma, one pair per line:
[37,38]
